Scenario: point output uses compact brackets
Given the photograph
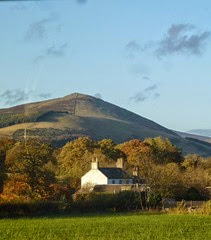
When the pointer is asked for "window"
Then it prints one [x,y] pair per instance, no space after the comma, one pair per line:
[120,181]
[127,181]
[113,181]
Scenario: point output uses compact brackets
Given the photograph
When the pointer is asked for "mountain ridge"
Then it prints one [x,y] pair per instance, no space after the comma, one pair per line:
[201,132]
[62,119]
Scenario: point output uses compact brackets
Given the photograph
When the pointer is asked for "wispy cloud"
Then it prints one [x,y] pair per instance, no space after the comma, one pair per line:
[179,39]
[182,38]
[149,92]
[133,46]
[81,1]
[139,69]
[38,30]
[98,95]
[17,96]
[53,52]
[18,6]
[44,95]
[146,78]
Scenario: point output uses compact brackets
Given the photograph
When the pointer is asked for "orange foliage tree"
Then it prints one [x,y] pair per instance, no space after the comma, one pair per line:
[5,145]
[27,165]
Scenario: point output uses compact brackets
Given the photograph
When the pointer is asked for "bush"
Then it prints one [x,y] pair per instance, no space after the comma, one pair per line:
[128,200]
[205,208]
[183,209]
[93,202]
[154,200]
[193,194]
[122,201]
[29,209]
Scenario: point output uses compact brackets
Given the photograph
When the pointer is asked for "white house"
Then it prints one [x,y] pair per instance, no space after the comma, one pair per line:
[106,176]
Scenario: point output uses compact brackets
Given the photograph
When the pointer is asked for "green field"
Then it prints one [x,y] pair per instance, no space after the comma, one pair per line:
[107,227]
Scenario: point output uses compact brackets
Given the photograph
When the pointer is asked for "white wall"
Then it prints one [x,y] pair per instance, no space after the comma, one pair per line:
[94,177]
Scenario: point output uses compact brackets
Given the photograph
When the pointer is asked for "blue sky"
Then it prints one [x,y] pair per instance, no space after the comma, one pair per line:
[150,57]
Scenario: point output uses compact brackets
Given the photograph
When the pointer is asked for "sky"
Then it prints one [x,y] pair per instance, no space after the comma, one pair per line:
[150,57]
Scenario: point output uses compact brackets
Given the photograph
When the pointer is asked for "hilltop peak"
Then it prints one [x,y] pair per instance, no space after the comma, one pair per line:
[62,119]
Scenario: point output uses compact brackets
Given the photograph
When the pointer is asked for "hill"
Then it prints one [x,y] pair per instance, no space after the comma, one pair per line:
[202,132]
[63,119]
[194,136]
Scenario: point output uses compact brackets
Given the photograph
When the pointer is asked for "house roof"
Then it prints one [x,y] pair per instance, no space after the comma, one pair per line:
[115,173]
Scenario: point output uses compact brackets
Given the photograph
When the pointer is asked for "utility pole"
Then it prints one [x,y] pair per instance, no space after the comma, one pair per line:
[25,141]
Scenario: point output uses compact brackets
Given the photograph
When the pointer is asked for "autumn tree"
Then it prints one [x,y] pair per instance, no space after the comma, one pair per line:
[109,149]
[164,151]
[107,153]
[31,162]
[138,154]
[75,157]
[167,180]
[5,145]
[194,161]
[196,176]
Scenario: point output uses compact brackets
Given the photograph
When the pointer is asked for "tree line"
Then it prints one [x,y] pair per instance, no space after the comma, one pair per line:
[34,170]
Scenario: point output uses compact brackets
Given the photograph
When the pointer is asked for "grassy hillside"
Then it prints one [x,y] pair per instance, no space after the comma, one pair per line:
[105,227]
[202,132]
[194,136]
[63,119]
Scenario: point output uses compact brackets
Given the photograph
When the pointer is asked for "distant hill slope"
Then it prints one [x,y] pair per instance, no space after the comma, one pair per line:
[194,136]
[202,132]
[63,119]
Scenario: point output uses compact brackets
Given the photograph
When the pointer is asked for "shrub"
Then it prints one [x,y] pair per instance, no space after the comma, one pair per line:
[193,194]
[122,201]
[205,208]
[17,209]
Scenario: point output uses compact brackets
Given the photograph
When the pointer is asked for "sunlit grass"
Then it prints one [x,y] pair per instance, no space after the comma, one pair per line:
[106,227]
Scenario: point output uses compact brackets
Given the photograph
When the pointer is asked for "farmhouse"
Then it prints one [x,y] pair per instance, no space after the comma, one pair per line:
[106,176]
[111,179]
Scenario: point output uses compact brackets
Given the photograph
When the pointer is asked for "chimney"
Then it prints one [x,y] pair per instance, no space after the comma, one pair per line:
[135,172]
[119,163]
[95,164]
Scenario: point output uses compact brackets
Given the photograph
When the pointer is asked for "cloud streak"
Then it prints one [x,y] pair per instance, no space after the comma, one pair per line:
[81,1]
[58,52]
[16,96]
[38,30]
[149,92]
[98,95]
[180,38]
[133,46]
[52,52]
[146,78]
[18,7]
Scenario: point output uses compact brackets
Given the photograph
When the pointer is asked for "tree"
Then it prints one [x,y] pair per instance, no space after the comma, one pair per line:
[199,179]
[109,149]
[5,145]
[31,162]
[138,154]
[169,181]
[164,151]
[75,157]
[193,161]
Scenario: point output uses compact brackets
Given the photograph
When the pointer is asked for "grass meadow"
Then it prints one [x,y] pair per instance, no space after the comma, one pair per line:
[105,227]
